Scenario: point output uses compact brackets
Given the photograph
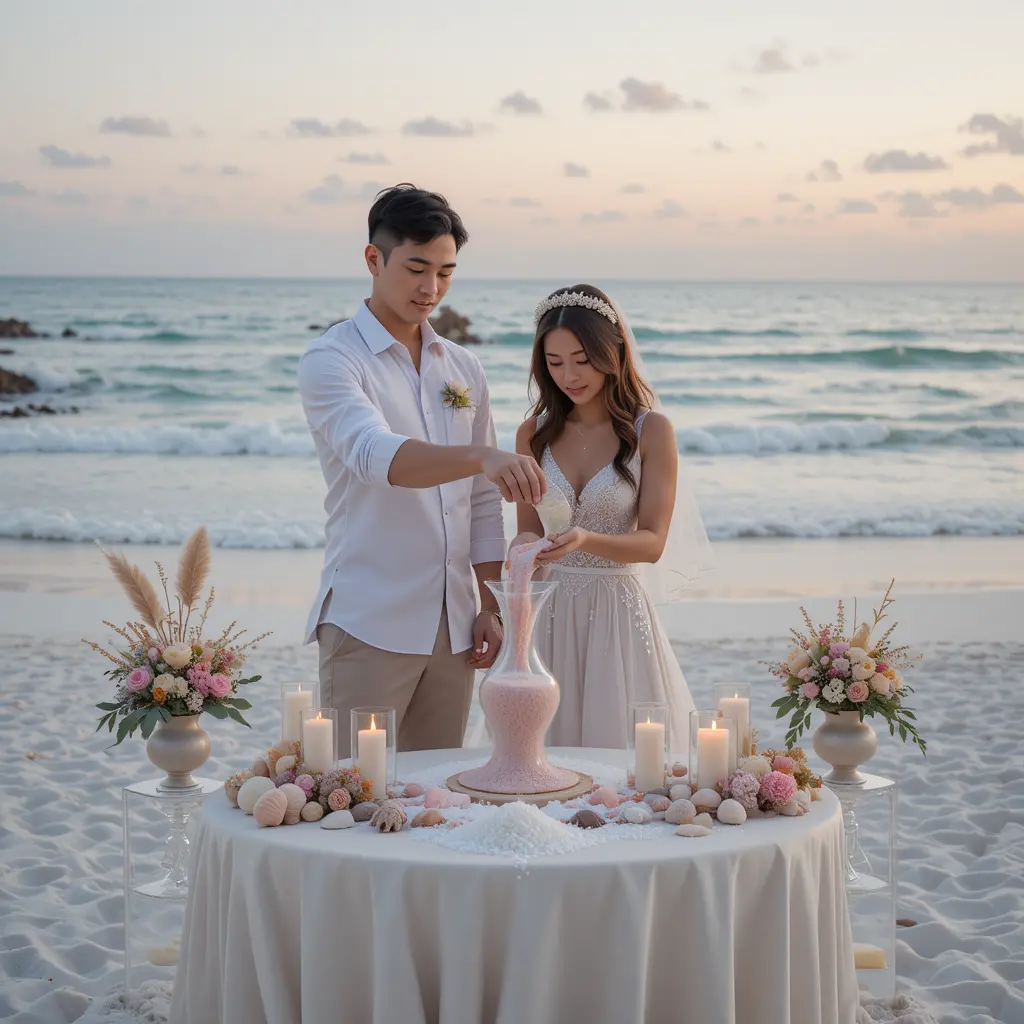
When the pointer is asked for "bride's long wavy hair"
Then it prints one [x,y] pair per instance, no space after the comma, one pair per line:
[626,394]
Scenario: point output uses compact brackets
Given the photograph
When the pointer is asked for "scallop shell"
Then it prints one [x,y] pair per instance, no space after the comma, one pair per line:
[285,763]
[390,817]
[260,768]
[791,809]
[337,819]
[296,797]
[586,818]
[636,814]
[680,792]
[234,784]
[680,812]
[252,789]
[731,812]
[693,831]
[428,818]
[312,811]
[361,812]
[706,800]
[270,808]
[704,819]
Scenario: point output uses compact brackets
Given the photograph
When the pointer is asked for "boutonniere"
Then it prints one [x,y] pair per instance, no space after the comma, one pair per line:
[456,395]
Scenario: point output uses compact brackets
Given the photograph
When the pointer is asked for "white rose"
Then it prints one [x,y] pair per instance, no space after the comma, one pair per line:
[856,655]
[880,684]
[165,682]
[862,637]
[862,672]
[798,659]
[177,655]
[755,765]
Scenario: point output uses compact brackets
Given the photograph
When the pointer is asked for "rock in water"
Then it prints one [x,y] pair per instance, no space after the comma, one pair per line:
[453,326]
[17,329]
[12,383]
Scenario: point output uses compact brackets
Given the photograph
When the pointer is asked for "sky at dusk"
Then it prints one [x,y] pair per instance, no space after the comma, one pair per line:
[735,140]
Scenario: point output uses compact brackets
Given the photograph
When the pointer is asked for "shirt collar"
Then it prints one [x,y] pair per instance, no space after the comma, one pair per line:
[378,338]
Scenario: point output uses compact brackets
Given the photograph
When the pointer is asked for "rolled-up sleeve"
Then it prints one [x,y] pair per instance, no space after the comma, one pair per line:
[339,410]
[487,528]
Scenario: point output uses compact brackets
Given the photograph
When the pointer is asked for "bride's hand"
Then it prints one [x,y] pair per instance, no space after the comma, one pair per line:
[562,544]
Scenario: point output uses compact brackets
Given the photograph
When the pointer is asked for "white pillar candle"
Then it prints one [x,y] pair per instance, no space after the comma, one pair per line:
[295,702]
[712,756]
[318,744]
[372,758]
[649,747]
[738,708]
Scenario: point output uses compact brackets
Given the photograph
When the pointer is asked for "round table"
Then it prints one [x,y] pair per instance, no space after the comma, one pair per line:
[746,926]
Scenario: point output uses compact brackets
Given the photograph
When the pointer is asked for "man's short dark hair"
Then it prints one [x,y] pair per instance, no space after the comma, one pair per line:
[405,213]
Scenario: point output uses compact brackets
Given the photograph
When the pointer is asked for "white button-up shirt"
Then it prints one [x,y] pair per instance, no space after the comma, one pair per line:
[393,554]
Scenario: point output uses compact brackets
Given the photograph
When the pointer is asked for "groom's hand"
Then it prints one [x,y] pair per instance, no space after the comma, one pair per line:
[518,477]
[487,638]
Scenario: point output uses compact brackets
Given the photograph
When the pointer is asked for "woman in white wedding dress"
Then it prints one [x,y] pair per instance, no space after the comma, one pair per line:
[605,448]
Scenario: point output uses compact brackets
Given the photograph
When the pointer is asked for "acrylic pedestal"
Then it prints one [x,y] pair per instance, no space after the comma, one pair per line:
[155,879]
[869,816]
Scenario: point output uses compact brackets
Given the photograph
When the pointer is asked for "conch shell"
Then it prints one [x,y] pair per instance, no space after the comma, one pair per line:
[389,817]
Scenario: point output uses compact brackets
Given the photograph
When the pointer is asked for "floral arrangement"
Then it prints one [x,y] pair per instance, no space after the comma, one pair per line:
[834,672]
[770,783]
[168,669]
[455,395]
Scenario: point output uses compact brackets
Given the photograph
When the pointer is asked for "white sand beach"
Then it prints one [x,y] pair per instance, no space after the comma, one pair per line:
[961,814]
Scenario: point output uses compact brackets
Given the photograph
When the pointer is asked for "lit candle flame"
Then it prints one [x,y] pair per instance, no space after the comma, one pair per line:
[714,724]
[373,724]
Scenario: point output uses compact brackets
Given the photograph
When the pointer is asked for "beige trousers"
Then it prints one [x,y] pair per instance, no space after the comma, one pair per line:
[430,693]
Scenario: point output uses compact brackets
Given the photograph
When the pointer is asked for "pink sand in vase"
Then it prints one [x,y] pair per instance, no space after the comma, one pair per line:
[519,696]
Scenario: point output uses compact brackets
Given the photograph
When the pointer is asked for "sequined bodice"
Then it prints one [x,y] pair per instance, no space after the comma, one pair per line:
[607,504]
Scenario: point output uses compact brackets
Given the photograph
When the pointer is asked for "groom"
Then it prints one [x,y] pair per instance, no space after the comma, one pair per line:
[402,426]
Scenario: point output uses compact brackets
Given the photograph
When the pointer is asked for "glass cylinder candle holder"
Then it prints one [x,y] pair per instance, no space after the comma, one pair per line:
[732,700]
[712,741]
[319,739]
[296,698]
[648,742]
[375,747]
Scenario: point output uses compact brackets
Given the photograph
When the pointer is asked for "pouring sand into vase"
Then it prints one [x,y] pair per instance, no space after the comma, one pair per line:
[519,698]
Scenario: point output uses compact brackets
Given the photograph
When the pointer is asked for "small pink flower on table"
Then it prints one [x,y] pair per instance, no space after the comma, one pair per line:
[857,692]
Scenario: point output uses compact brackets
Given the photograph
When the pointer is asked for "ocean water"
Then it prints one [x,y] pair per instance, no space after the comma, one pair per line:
[801,410]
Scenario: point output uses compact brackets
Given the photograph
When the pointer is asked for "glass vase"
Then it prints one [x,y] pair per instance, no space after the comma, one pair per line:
[648,742]
[374,746]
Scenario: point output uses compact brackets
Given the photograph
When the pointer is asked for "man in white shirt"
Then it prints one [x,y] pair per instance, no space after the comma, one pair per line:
[403,430]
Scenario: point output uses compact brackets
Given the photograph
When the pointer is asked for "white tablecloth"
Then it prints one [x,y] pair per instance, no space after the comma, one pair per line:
[747,926]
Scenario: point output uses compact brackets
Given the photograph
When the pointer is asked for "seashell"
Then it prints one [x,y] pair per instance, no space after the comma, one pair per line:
[260,768]
[285,763]
[428,818]
[657,802]
[586,818]
[680,812]
[704,819]
[678,770]
[660,791]
[312,811]
[705,800]
[693,831]
[389,817]
[412,790]
[252,789]
[791,809]
[731,812]
[361,812]
[680,792]
[274,754]
[605,795]
[803,798]
[816,793]
[293,747]
[339,799]
[234,784]
[337,819]
[297,799]
[636,814]
[434,797]
[270,808]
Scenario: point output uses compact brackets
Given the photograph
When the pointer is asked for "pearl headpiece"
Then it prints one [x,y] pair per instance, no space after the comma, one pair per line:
[575,299]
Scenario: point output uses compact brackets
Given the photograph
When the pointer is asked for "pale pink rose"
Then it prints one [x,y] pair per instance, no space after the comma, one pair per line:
[220,685]
[140,678]
[809,691]
[880,684]
[208,653]
[857,692]
[841,665]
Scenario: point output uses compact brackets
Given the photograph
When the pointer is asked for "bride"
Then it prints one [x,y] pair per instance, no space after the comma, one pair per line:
[624,540]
